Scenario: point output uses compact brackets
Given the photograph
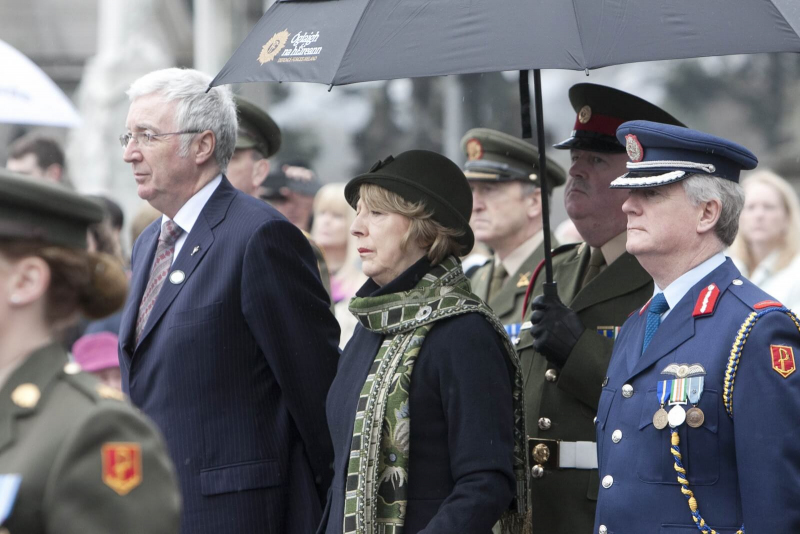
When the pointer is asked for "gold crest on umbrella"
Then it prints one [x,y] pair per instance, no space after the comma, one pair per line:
[273,47]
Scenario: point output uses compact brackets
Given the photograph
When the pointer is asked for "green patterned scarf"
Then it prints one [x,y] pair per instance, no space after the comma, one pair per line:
[377,475]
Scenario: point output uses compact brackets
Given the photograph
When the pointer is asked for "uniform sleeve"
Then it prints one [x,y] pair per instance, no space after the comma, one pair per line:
[586,367]
[766,408]
[476,399]
[112,474]
[289,314]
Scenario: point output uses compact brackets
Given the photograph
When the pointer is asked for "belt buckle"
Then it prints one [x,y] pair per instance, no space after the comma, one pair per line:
[544,452]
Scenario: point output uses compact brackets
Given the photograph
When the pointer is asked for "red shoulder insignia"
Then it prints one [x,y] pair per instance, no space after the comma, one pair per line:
[707,301]
[782,359]
[767,304]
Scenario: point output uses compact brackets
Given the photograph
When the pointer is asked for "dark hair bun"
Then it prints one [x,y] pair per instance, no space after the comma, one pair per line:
[108,286]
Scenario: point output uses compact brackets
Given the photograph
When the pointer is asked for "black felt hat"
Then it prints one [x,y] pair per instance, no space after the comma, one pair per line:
[601,110]
[424,176]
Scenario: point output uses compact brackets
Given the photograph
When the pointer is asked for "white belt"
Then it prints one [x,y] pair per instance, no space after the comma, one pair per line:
[577,454]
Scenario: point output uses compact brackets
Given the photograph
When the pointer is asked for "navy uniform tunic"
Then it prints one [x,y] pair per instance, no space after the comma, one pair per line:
[461,476]
[742,470]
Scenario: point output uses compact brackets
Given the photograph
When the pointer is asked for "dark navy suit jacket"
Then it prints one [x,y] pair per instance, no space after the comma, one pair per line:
[234,365]
[742,470]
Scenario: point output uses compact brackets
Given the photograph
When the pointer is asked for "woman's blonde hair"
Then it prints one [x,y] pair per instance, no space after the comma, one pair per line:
[330,197]
[438,240]
[791,238]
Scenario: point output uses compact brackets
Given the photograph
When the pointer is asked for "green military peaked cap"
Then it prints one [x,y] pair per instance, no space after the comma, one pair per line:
[494,156]
[257,130]
[38,210]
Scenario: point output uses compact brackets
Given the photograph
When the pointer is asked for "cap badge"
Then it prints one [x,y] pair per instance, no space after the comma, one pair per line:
[585,114]
[474,149]
[273,47]
[634,148]
[26,395]
[122,466]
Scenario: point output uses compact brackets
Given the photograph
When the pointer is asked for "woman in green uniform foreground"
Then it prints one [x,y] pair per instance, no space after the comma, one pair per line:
[74,456]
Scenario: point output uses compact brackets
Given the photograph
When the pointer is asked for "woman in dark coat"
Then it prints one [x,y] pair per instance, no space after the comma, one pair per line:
[439,450]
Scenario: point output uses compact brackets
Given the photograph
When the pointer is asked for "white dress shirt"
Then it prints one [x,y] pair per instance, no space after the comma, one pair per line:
[189,212]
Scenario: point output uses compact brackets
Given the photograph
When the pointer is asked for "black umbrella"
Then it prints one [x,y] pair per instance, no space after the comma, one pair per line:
[348,41]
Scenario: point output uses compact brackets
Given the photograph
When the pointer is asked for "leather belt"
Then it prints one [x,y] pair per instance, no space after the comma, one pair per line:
[558,454]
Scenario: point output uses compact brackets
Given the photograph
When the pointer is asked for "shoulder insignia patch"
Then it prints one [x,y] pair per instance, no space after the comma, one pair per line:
[782,359]
[107,392]
[122,466]
[707,301]
[767,304]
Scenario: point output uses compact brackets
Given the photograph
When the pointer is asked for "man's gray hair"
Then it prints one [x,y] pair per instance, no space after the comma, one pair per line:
[197,109]
[701,188]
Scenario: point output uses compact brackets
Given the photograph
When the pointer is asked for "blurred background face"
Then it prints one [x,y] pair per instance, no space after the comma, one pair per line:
[297,208]
[246,170]
[378,235]
[110,377]
[764,218]
[27,164]
[499,212]
[330,228]
[595,209]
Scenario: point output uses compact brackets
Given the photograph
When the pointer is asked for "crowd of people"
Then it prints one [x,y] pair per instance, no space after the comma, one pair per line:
[260,352]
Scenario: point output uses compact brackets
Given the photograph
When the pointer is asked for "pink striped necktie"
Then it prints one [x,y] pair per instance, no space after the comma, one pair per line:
[170,232]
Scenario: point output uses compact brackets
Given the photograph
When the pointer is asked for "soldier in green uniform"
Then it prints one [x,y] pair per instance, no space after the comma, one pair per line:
[258,139]
[502,171]
[565,352]
[75,457]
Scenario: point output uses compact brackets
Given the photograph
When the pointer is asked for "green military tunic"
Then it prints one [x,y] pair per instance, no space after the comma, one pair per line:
[561,404]
[508,302]
[88,462]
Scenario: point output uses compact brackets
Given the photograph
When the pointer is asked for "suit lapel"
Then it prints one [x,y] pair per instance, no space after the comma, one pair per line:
[141,274]
[194,249]
[621,277]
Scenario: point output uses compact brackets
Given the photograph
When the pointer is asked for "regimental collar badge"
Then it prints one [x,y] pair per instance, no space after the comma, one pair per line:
[524,280]
[707,301]
[474,149]
[684,370]
[585,114]
[634,148]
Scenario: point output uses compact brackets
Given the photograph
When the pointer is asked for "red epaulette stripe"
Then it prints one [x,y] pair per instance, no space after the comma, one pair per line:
[767,304]
[707,301]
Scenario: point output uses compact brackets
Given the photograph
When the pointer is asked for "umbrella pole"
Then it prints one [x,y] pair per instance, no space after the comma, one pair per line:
[549,287]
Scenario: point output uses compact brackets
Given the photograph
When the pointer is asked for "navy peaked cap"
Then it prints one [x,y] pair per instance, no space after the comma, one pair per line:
[661,154]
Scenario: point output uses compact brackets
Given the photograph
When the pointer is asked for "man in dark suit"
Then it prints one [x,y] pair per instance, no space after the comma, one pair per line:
[227,341]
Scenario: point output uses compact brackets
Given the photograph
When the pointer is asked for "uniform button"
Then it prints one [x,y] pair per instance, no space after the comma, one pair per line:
[71,368]
[605,381]
[602,530]
[627,391]
[616,437]
[737,282]
[594,420]
[551,375]
[608,480]
[545,423]
[516,342]
[537,471]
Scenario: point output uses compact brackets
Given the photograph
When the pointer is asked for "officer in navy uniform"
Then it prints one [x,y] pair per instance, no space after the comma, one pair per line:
[565,354]
[697,421]
[503,173]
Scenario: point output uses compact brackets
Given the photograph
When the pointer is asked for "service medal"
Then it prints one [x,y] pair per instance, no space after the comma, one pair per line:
[695,417]
[660,419]
[677,415]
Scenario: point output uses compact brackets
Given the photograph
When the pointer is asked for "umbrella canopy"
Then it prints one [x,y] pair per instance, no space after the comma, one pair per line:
[29,96]
[347,41]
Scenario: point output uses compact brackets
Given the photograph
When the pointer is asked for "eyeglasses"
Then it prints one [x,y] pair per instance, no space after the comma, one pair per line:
[146,138]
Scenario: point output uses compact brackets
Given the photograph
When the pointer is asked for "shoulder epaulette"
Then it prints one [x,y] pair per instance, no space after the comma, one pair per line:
[91,387]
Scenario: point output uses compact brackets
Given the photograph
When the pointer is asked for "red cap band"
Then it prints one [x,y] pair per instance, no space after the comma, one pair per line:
[603,124]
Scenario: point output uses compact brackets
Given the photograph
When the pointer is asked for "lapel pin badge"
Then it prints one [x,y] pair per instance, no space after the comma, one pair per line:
[177,277]
[195,250]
